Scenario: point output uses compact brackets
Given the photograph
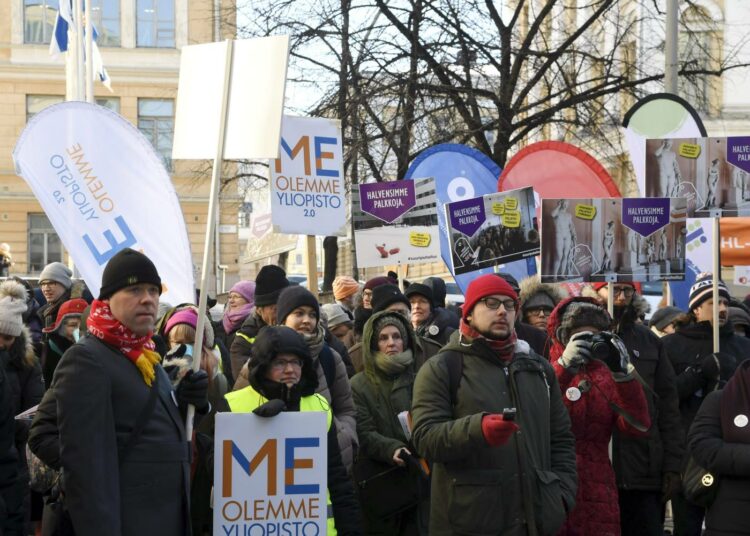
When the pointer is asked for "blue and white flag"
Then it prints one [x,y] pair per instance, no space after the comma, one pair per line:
[59,42]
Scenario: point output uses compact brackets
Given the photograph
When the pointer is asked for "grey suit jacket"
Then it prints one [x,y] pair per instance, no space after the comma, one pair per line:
[100,394]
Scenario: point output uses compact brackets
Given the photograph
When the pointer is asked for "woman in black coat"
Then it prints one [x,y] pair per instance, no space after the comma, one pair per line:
[719,441]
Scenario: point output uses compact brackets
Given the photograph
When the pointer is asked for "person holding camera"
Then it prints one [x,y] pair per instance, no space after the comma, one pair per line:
[393,492]
[601,393]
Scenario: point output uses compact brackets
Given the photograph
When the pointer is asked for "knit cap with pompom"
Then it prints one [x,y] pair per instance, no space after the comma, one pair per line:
[12,307]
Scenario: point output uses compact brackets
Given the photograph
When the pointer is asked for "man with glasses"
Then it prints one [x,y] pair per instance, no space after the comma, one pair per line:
[647,467]
[488,413]
[700,370]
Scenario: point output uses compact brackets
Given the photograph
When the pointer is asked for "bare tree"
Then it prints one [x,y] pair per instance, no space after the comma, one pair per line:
[403,75]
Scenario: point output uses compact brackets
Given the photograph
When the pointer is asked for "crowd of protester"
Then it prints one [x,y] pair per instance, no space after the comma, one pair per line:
[525,411]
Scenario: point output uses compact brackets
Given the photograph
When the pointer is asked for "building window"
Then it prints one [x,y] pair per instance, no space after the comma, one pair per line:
[155,23]
[156,121]
[37,103]
[111,103]
[244,219]
[44,244]
[106,19]
[38,20]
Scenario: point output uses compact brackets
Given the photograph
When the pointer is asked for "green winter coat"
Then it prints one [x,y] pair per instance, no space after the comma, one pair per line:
[483,490]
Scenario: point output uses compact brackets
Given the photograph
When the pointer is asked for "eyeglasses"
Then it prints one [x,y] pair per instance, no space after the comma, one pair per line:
[539,311]
[494,304]
[48,283]
[282,364]
[625,291]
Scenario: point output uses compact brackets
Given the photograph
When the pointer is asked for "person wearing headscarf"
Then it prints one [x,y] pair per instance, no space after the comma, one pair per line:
[381,392]
[240,304]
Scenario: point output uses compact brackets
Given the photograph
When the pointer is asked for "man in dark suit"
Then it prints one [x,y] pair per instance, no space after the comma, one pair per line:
[123,448]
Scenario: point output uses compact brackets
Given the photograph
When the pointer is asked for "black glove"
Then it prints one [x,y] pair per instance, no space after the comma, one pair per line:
[270,408]
[192,389]
[671,484]
[618,358]
[710,368]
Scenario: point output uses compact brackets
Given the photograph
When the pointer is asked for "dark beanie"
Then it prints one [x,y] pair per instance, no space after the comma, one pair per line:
[292,297]
[386,295]
[269,283]
[378,281]
[128,267]
[703,289]
[664,316]
[512,281]
[361,316]
[418,289]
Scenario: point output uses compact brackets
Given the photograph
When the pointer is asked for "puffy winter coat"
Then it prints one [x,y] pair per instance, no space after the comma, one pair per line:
[593,421]
[728,515]
[640,462]
[478,489]
[687,348]
[11,490]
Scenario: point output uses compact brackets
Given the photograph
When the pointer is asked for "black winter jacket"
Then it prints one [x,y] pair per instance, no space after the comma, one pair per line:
[242,345]
[687,348]
[728,515]
[11,490]
[640,462]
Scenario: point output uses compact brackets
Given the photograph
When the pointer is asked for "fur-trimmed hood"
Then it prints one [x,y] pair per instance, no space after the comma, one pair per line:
[533,285]
[22,351]
[639,306]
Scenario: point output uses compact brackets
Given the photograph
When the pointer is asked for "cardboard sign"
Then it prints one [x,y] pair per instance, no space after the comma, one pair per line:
[614,239]
[270,474]
[396,222]
[308,195]
[492,229]
[713,174]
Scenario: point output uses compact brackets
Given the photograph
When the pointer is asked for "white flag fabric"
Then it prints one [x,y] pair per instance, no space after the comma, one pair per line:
[104,188]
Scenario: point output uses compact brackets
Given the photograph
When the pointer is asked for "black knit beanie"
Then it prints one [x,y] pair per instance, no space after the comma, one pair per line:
[418,289]
[386,295]
[269,283]
[291,298]
[128,267]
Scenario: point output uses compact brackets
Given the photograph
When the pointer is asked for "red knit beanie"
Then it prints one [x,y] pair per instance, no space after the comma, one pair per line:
[486,285]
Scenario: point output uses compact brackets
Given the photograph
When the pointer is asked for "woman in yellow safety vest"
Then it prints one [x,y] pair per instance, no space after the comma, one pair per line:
[282,378]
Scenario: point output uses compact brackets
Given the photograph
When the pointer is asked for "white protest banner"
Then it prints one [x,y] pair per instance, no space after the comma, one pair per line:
[104,189]
[270,474]
[256,89]
[308,195]
[396,223]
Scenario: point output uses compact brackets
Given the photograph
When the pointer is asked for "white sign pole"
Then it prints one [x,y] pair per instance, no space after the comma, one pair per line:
[312,265]
[210,223]
[611,299]
[717,274]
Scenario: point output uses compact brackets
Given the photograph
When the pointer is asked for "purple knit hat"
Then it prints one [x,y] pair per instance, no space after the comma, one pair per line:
[246,289]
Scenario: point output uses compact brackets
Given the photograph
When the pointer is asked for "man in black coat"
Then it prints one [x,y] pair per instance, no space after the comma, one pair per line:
[700,371]
[647,468]
[123,449]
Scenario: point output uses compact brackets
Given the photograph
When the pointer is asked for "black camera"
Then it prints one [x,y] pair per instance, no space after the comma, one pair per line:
[609,348]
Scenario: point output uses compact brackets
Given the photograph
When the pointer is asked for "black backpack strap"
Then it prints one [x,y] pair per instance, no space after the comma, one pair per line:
[143,417]
[455,363]
[329,366]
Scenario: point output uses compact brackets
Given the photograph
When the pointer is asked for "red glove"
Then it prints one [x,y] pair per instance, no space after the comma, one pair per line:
[496,430]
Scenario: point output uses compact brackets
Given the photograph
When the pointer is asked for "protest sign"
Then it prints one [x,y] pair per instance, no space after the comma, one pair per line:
[735,241]
[698,246]
[713,174]
[613,239]
[270,474]
[308,194]
[492,229]
[396,223]
[256,79]
[263,242]
[105,197]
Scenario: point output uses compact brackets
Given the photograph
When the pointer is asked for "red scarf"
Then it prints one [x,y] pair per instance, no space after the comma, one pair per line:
[139,350]
[503,347]
[735,404]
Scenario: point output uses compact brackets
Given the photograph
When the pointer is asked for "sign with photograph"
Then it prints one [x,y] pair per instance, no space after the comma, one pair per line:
[713,174]
[270,474]
[492,229]
[613,239]
[396,222]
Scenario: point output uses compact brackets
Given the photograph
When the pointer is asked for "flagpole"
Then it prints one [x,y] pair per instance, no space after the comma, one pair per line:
[89,56]
[78,44]
[210,223]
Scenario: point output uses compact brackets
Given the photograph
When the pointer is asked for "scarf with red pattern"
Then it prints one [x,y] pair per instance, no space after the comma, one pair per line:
[503,347]
[139,350]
